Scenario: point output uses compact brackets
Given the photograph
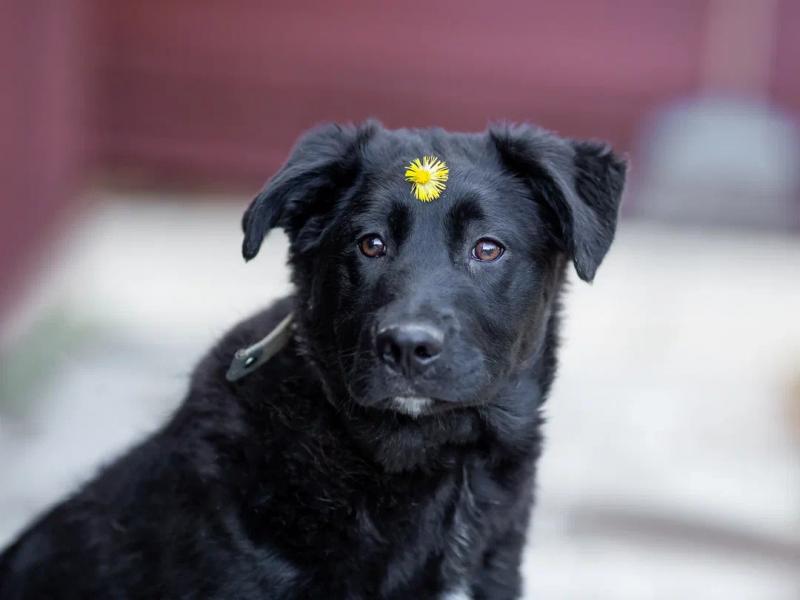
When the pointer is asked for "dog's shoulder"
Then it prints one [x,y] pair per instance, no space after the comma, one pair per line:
[169,491]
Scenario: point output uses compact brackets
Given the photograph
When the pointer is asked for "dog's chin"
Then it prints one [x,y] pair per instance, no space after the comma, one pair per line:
[409,403]
[413,406]
[417,406]
[405,398]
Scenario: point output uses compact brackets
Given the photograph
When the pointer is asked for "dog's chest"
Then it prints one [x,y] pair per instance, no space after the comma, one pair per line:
[359,531]
[438,540]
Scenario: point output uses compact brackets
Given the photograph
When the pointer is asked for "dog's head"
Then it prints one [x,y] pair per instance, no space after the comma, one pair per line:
[424,306]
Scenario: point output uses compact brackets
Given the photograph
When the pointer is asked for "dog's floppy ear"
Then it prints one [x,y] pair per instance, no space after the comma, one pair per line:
[583,181]
[323,163]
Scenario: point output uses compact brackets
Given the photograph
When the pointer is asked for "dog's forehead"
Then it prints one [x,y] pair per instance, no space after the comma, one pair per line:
[474,168]
[401,146]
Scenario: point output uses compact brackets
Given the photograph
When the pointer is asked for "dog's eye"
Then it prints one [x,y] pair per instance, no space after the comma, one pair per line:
[487,250]
[372,246]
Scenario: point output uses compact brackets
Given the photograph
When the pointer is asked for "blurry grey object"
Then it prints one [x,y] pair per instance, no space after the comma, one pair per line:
[721,161]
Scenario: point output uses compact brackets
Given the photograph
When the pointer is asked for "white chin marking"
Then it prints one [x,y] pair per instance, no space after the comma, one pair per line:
[457,595]
[412,406]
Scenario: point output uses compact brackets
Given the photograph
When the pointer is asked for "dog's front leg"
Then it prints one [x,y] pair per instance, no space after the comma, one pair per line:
[499,576]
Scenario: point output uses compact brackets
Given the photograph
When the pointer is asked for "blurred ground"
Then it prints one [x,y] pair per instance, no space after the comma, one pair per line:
[671,470]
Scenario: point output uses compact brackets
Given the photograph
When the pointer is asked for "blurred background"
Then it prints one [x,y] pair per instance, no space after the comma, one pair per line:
[133,134]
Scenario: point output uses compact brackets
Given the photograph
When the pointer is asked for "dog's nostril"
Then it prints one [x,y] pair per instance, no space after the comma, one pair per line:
[389,351]
[423,352]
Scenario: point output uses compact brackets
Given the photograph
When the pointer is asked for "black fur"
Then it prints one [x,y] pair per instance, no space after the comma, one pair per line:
[306,479]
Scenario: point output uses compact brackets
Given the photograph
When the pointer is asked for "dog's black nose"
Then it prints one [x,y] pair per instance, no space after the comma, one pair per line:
[409,347]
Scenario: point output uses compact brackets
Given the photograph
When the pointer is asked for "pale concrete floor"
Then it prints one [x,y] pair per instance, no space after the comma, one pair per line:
[671,471]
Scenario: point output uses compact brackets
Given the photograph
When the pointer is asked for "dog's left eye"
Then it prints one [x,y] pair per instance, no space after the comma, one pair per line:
[372,246]
[487,250]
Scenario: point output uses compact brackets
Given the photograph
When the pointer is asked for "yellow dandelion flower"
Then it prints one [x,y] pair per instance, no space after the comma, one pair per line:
[427,177]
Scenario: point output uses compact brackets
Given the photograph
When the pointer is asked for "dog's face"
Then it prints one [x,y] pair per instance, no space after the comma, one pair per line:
[425,306]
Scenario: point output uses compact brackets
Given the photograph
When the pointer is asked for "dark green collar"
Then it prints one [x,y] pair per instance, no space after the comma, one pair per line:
[247,360]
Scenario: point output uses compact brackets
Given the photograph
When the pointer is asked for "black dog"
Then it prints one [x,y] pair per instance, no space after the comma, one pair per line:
[388,450]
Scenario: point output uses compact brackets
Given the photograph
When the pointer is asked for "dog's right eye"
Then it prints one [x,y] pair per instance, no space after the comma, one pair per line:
[487,250]
[372,245]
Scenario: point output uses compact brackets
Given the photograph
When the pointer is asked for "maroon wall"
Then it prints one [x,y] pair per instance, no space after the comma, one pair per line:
[42,126]
[189,89]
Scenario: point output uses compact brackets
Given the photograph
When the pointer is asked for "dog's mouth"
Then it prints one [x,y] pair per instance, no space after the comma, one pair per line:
[416,406]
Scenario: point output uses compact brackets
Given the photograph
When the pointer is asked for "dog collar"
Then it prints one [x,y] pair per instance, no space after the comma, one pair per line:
[247,360]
